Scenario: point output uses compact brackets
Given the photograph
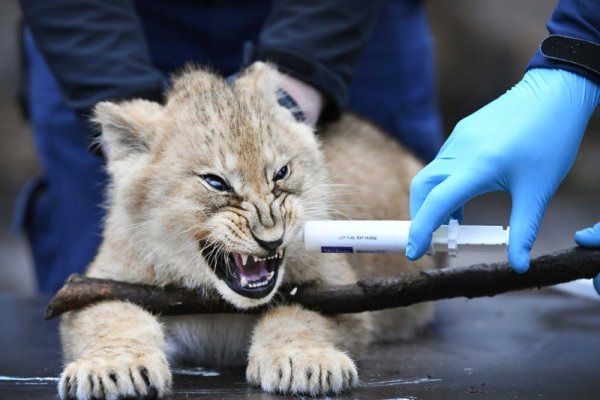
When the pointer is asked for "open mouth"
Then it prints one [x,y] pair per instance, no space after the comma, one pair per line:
[247,275]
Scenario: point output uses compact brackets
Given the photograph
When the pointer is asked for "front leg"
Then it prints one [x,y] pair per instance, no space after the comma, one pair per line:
[294,351]
[114,350]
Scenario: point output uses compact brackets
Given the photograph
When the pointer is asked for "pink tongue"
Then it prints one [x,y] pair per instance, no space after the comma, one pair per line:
[253,270]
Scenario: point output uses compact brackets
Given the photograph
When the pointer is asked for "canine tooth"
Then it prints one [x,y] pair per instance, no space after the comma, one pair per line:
[279,253]
[244,258]
[244,281]
[270,276]
[293,291]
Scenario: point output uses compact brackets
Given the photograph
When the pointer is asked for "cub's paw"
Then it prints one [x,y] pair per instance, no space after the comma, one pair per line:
[309,371]
[123,376]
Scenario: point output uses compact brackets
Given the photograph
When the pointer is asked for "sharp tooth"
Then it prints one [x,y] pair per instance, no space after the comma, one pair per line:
[280,253]
[244,258]
[243,281]
[293,291]
[270,276]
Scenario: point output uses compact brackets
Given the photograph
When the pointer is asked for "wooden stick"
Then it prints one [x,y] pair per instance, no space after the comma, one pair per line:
[366,295]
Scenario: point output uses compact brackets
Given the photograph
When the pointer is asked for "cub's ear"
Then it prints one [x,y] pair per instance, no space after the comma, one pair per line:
[128,128]
[260,78]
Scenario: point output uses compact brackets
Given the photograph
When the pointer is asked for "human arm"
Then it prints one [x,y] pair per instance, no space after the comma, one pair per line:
[524,143]
[95,50]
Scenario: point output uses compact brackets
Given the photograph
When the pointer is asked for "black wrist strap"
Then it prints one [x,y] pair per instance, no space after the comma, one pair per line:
[288,102]
[572,51]
[283,98]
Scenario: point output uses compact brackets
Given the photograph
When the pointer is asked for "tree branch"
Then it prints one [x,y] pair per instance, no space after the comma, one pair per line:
[366,295]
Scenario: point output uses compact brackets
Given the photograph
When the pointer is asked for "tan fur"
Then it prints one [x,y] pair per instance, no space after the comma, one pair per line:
[161,213]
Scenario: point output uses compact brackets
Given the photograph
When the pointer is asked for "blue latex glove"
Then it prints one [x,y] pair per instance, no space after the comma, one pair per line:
[590,237]
[524,143]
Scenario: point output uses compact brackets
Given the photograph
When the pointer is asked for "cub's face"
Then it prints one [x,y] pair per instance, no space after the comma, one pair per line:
[213,187]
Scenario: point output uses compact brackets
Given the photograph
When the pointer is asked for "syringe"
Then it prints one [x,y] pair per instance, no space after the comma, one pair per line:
[392,236]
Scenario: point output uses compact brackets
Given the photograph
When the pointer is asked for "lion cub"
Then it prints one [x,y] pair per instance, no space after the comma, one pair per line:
[212,190]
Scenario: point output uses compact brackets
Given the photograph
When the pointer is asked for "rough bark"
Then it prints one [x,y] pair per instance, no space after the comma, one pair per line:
[366,295]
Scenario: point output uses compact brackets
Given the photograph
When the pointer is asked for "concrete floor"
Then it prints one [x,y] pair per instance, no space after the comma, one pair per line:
[525,345]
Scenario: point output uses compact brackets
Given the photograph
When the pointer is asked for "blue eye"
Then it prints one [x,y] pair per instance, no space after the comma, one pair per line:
[282,173]
[216,183]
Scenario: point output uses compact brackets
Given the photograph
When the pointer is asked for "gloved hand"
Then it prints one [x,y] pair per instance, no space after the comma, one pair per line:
[590,237]
[524,143]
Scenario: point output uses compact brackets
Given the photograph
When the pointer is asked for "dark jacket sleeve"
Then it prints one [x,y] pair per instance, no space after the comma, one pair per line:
[318,42]
[578,19]
[95,49]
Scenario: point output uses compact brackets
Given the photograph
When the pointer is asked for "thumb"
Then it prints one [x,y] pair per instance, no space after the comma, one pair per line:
[527,212]
[597,284]
[442,202]
[589,237]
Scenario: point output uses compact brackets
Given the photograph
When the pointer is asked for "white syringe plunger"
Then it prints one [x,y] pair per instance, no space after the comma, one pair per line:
[392,236]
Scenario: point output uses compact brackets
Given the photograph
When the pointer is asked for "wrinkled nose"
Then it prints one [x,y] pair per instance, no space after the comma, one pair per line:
[270,245]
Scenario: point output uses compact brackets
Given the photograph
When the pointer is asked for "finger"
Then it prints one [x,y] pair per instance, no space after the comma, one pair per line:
[527,211]
[589,237]
[423,183]
[442,201]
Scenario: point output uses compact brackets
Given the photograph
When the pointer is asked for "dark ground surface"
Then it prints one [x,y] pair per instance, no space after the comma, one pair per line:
[526,345]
